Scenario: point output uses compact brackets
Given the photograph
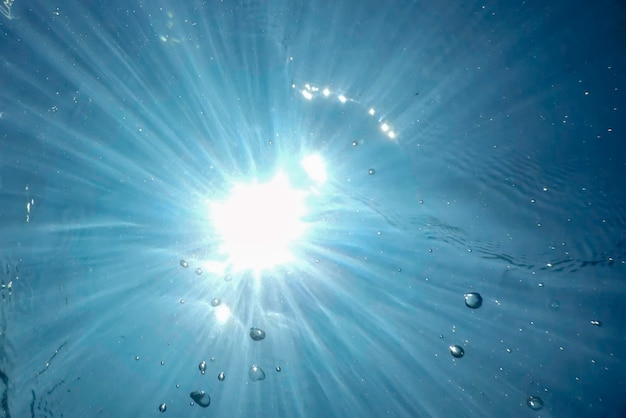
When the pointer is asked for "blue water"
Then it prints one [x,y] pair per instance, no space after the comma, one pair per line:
[500,170]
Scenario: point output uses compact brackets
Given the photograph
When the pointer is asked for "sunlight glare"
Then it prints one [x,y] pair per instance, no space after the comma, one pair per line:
[315,168]
[258,223]
[222,313]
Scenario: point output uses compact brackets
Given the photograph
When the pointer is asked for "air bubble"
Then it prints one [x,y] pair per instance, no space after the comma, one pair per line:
[199,271]
[257,334]
[201,398]
[534,402]
[371,171]
[256,373]
[162,407]
[215,302]
[473,300]
[457,351]
[184,264]
[221,376]
[202,367]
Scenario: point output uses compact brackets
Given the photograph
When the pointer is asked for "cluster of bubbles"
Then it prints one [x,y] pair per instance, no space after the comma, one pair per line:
[255,373]
[185,264]
[474,300]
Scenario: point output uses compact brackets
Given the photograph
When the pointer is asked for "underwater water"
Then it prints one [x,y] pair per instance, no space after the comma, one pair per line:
[312,208]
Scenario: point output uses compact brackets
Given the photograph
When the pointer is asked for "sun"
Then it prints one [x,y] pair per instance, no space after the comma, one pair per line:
[258,223]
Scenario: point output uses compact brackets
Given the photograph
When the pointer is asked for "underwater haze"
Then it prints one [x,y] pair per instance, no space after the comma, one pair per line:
[319,208]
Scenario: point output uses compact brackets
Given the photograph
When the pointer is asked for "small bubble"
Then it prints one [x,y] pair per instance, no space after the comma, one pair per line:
[202,367]
[534,402]
[354,143]
[257,334]
[221,376]
[473,300]
[212,359]
[371,171]
[215,302]
[457,351]
[228,278]
[162,407]
[177,385]
[596,323]
[555,305]
[256,373]
[162,363]
[184,264]
[199,271]
[278,369]
[201,398]
[182,301]
[136,358]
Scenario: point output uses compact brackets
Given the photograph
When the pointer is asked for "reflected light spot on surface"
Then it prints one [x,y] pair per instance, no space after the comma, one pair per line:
[257,223]
[310,91]
[315,168]
[222,313]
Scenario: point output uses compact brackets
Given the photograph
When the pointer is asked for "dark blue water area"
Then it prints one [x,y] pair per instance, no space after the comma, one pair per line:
[468,147]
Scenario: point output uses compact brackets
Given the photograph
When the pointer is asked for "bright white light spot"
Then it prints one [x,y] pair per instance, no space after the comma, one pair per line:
[342,98]
[222,313]
[257,223]
[372,112]
[391,134]
[384,127]
[307,94]
[326,92]
[315,168]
